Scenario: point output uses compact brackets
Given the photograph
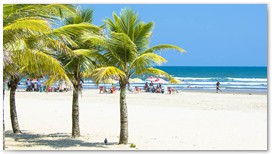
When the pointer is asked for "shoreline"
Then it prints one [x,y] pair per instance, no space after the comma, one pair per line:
[227,92]
[180,91]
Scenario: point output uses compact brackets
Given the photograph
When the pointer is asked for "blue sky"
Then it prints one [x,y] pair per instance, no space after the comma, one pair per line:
[212,35]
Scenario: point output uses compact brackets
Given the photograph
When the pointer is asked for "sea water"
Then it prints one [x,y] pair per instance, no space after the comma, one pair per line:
[241,79]
[232,79]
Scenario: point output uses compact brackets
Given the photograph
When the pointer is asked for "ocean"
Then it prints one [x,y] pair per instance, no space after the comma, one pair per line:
[240,79]
[232,79]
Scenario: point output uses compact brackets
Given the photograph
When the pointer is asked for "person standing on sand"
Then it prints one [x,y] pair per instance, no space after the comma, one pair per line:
[28,84]
[217,86]
[39,84]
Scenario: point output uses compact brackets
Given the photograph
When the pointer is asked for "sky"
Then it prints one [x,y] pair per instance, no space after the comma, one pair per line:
[212,35]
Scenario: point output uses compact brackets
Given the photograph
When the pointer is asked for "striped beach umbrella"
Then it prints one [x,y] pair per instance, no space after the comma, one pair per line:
[151,78]
[159,80]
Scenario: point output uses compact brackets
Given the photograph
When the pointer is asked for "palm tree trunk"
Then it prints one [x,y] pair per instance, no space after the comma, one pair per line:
[3,116]
[13,113]
[75,113]
[128,85]
[3,128]
[123,115]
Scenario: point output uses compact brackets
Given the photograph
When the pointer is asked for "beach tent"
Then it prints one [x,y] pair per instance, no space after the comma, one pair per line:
[136,80]
[110,81]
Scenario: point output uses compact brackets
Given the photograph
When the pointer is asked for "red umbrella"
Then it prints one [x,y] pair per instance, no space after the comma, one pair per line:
[159,80]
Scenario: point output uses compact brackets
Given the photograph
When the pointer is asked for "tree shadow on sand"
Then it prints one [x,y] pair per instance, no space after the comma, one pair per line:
[56,140]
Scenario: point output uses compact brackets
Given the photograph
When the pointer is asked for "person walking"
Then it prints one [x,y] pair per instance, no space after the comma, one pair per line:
[39,84]
[28,84]
[217,86]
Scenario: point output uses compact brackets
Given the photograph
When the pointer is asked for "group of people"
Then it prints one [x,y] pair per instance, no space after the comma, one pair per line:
[34,85]
[152,88]
[159,89]
[103,89]
[61,87]
[37,85]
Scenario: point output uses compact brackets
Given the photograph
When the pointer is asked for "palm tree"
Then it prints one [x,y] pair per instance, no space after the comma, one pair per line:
[81,59]
[20,21]
[29,62]
[23,20]
[128,53]
[28,38]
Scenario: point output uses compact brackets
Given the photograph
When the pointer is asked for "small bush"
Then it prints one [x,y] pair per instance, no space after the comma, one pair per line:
[132,145]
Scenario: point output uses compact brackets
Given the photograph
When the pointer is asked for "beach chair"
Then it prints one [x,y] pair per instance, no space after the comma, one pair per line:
[175,90]
[101,89]
[170,90]
[49,89]
[131,89]
[137,90]
[113,89]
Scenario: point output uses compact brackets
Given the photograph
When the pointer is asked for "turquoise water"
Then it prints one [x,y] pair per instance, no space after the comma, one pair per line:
[234,79]
[250,79]
[216,72]
[237,79]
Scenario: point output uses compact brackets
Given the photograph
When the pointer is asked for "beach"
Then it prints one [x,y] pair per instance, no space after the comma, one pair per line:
[180,121]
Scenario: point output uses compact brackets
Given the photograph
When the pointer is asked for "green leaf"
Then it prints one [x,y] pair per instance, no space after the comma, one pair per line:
[30,24]
[105,73]
[163,47]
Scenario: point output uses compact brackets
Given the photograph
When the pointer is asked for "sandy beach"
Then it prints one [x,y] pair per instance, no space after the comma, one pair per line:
[181,121]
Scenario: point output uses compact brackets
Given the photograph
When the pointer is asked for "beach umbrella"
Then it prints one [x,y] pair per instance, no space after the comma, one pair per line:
[159,80]
[135,80]
[151,78]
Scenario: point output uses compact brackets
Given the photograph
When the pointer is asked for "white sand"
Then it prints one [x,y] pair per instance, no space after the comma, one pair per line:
[183,121]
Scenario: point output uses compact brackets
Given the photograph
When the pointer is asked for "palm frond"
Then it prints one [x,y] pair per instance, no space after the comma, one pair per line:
[129,20]
[9,69]
[126,23]
[163,47]
[147,60]
[105,73]
[110,24]
[51,80]
[82,16]
[89,58]
[30,24]
[75,30]
[142,35]
[62,45]
[94,39]
[38,63]
[62,10]
[174,81]
[54,78]
[156,72]
[121,45]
